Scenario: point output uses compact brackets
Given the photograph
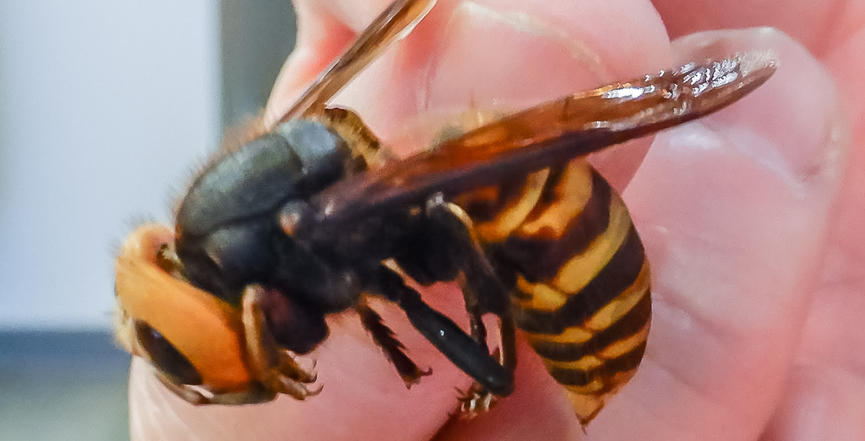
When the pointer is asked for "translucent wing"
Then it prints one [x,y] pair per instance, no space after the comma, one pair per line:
[551,133]
[392,24]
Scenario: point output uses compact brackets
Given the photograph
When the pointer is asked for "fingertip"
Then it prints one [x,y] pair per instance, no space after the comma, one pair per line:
[321,37]
[734,210]
[324,30]
[508,55]
[768,163]
[797,110]
[496,57]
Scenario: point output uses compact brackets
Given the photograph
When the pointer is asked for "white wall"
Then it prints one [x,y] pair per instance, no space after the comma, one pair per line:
[104,107]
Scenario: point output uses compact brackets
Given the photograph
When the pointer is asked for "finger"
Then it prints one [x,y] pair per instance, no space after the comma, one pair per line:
[820,402]
[734,211]
[324,29]
[493,57]
[825,398]
[819,26]
[824,395]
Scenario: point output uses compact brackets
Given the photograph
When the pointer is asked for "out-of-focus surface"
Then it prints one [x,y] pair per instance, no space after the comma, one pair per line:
[257,36]
[105,107]
[106,110]
[62,386]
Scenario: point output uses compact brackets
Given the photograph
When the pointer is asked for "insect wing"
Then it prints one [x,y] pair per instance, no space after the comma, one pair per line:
[392,24]
[550,133]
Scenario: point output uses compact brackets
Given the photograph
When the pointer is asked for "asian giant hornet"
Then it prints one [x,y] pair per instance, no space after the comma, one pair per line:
[315,217]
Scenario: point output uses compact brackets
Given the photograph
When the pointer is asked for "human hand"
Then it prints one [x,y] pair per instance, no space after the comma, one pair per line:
[748,216]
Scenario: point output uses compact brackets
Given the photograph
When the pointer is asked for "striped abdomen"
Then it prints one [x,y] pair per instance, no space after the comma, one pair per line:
[581,278]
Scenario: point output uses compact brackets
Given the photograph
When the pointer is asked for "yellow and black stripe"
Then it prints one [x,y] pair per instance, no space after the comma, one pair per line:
[581,277]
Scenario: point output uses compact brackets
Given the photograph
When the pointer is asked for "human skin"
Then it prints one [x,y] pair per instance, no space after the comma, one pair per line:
[751,218]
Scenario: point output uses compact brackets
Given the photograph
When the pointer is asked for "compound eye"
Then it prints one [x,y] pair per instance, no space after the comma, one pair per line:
[165,357]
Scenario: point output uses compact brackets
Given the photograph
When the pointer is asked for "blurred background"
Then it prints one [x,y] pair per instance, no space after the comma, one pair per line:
[106,109]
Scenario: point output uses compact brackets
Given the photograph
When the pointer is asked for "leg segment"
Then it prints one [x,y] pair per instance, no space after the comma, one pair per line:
[274,367]
[442,332]
[393,348]
[483,292]
[454,226]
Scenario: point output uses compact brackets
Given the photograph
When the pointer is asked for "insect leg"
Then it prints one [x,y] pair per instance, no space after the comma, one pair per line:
[482,289]
[445,335]
[393,348]
[476,324]
[273,366]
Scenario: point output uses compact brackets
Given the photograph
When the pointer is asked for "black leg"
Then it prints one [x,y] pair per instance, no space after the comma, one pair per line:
[445,335]
[454,230]
[483,291]
[482,288]
[393,348]
[476,324]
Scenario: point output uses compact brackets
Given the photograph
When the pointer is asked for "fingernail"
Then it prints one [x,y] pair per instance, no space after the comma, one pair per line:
[792,124]
[734,209]
[506,60]
[739,200]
